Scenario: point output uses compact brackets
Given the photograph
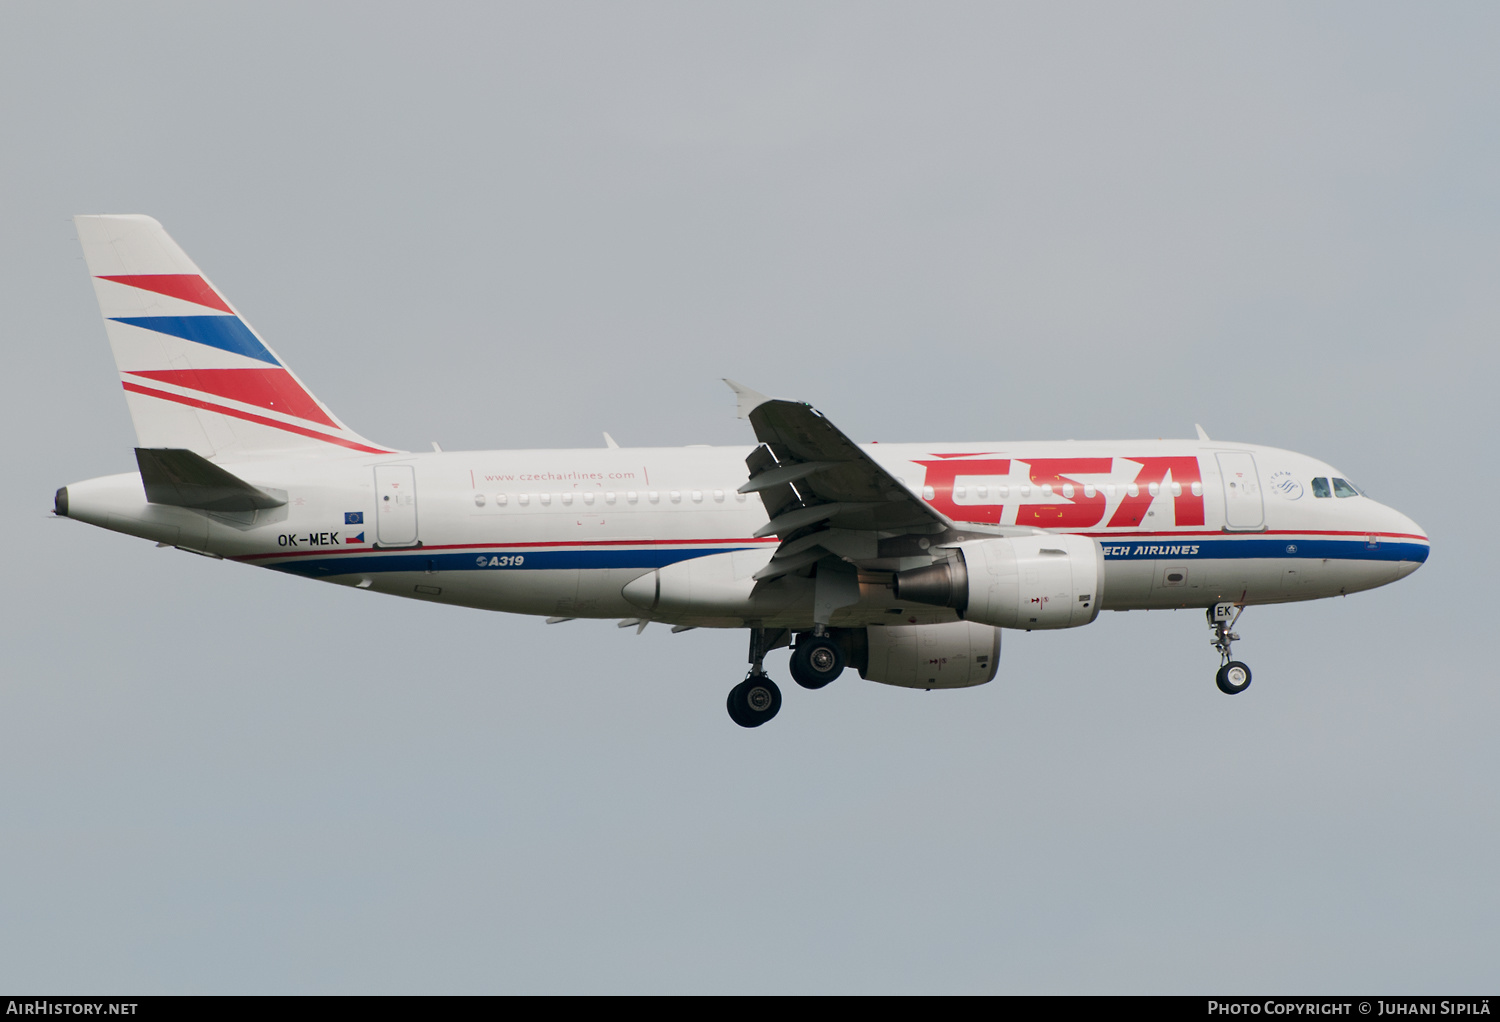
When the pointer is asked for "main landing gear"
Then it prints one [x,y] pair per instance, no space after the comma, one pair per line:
[754,701]
[757,699]
[1234,676]
[817,659]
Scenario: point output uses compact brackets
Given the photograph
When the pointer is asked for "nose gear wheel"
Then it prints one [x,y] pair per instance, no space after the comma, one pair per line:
[1234,676]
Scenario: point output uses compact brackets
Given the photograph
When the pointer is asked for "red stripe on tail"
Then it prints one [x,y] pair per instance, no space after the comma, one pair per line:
[286,427]
[188,286]
[274,389]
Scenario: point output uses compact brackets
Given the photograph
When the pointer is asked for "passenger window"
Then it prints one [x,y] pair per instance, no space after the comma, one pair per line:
[1320,487]
[1343,488]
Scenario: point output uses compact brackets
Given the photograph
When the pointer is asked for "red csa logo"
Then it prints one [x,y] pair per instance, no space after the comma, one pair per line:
[1081,510]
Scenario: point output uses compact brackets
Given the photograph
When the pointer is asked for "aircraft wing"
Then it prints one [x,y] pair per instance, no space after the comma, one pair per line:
[824,494]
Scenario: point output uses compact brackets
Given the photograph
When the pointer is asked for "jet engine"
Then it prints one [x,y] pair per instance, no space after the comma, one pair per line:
[1043,581]
[957,654]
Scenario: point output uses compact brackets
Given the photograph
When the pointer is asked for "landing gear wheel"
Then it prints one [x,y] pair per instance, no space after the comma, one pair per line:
[816,662]
[735,704]
[753,701]
[1233,678]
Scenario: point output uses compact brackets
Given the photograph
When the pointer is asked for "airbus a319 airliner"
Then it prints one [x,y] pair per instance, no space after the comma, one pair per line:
[904,561]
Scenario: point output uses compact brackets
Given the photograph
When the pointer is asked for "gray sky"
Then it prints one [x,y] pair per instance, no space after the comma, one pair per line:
[515,225]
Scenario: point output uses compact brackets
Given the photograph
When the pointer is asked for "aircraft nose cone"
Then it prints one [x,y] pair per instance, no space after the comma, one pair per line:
[1419,546]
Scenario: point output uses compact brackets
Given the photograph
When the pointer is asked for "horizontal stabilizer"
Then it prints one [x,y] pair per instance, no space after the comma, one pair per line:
[184,479]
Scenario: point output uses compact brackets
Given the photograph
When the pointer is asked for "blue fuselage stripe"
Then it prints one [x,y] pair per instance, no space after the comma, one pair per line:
[511,559]
[492,560]
[1264,547]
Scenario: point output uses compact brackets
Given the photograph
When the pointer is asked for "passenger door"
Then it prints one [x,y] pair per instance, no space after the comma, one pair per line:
[396,505]
[1244,508]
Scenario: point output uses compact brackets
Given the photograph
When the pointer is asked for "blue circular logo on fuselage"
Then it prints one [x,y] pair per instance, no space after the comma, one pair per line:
[1286,485]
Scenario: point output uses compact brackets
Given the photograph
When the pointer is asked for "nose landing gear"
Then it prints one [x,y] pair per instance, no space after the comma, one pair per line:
[1234,676]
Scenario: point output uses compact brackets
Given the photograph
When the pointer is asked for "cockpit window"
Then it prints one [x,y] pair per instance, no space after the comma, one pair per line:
[1320,487]
[1344,488]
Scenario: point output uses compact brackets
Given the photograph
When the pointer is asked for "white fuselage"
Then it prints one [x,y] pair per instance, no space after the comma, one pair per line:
[564,532]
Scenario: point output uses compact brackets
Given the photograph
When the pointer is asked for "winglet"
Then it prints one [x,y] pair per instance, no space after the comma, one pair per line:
[747,400]
[1201,435]
[609,442]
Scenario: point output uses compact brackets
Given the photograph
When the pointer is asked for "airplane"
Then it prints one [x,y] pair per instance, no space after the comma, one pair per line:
[903,561]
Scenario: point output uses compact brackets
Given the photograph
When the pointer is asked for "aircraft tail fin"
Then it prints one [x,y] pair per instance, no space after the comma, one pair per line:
[197,377]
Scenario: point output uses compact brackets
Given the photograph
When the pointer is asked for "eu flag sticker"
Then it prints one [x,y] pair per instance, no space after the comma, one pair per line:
[354,518]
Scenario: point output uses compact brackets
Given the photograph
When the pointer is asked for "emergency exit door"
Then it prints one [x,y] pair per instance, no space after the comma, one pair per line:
[395,505]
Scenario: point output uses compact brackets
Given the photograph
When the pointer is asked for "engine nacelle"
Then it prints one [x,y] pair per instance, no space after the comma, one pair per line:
[1048,581]
[957,654]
